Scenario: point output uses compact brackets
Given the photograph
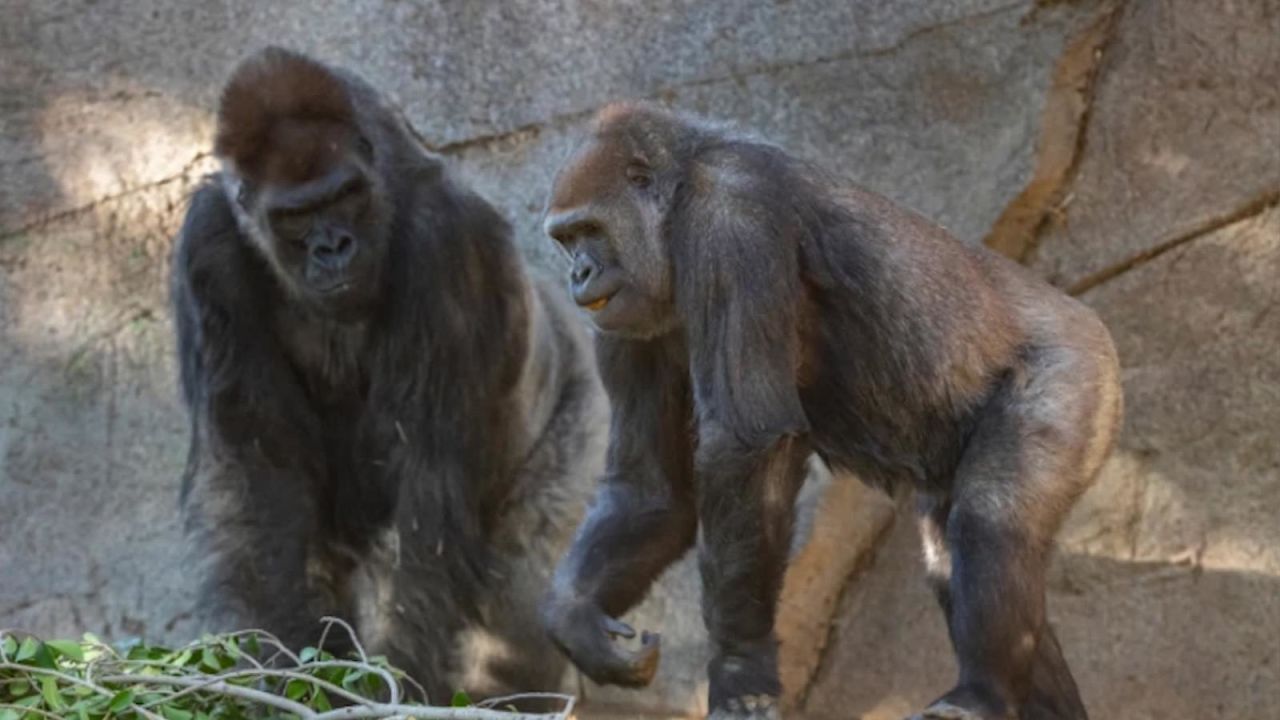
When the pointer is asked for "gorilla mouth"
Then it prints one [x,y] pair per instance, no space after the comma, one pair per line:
[334,288]
[598,304]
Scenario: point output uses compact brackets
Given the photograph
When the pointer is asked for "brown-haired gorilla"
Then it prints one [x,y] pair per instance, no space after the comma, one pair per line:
[391,421]
[753,310]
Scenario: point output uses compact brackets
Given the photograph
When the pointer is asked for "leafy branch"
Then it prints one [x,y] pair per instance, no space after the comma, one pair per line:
[236,676]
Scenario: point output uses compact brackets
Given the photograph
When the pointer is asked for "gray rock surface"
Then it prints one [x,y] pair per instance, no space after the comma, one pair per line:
[1155,127]
[1183,134]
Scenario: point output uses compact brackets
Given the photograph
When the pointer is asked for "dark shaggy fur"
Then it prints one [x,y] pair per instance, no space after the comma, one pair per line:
[413,464]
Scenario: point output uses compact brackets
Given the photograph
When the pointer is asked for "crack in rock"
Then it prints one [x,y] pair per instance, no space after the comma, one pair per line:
[1255,207]
[665,94]
[1064,125]
[192,166]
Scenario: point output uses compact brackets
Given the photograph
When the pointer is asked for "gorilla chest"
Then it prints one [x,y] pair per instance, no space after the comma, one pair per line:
[330,357]
[332,367]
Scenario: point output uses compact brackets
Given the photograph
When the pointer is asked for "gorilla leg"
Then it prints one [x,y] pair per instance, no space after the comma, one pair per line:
[1053,690]
[746,539]
[933,513]
[1027,461]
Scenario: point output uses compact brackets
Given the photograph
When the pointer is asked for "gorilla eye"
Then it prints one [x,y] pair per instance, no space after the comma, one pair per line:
[291,227]
[639,176]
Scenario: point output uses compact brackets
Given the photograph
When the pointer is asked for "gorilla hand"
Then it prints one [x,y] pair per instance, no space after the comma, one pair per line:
[588,636]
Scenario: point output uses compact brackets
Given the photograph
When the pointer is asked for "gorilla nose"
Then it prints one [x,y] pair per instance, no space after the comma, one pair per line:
[332,250]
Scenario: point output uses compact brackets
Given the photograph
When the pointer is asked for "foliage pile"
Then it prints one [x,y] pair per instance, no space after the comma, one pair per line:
[237,676]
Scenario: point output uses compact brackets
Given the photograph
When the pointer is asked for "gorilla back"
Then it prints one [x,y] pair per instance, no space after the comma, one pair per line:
[390,420]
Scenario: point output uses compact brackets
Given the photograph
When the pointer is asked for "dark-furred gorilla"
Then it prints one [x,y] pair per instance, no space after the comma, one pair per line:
[754,310]
[391,421]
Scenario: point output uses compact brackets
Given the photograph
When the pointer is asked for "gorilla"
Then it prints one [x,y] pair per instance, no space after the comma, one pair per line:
[753,310]
[392,422]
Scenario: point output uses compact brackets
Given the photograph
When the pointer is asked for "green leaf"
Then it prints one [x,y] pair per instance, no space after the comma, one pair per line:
[44,658]
[79,710]
[307,655]
[352,678]
[27,650]
[321,701]
[19,687]
[332,674]
[49,690]
[373,685]
[173,713]
[8,714]
[251,644]
[232,648]
[296,689]
[461,699]
[67,649]
[137,651]
[210,660]
[183,658]
[121,701]
[9,647]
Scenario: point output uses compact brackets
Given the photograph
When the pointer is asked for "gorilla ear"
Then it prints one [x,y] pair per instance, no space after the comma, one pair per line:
[237,188]
[279,103]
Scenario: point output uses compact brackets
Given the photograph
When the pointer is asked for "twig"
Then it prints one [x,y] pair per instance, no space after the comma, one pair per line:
[569,700]
[370,710]
[23,709]
[381,711]
[387,677]
[255,673]
[394,686]
[329,621]
[219,686]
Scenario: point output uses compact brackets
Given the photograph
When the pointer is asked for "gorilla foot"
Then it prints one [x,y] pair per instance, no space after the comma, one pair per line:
[945,711]
[747,707]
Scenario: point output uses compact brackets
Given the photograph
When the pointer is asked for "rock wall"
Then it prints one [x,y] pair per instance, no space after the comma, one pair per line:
[1129,151]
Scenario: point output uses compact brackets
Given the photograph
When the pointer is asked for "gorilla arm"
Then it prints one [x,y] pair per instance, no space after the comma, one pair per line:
[739,295]
[253,461]
[643,517]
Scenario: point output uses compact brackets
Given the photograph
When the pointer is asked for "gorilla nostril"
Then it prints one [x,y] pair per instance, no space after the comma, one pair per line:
[346,245]
[583,269]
